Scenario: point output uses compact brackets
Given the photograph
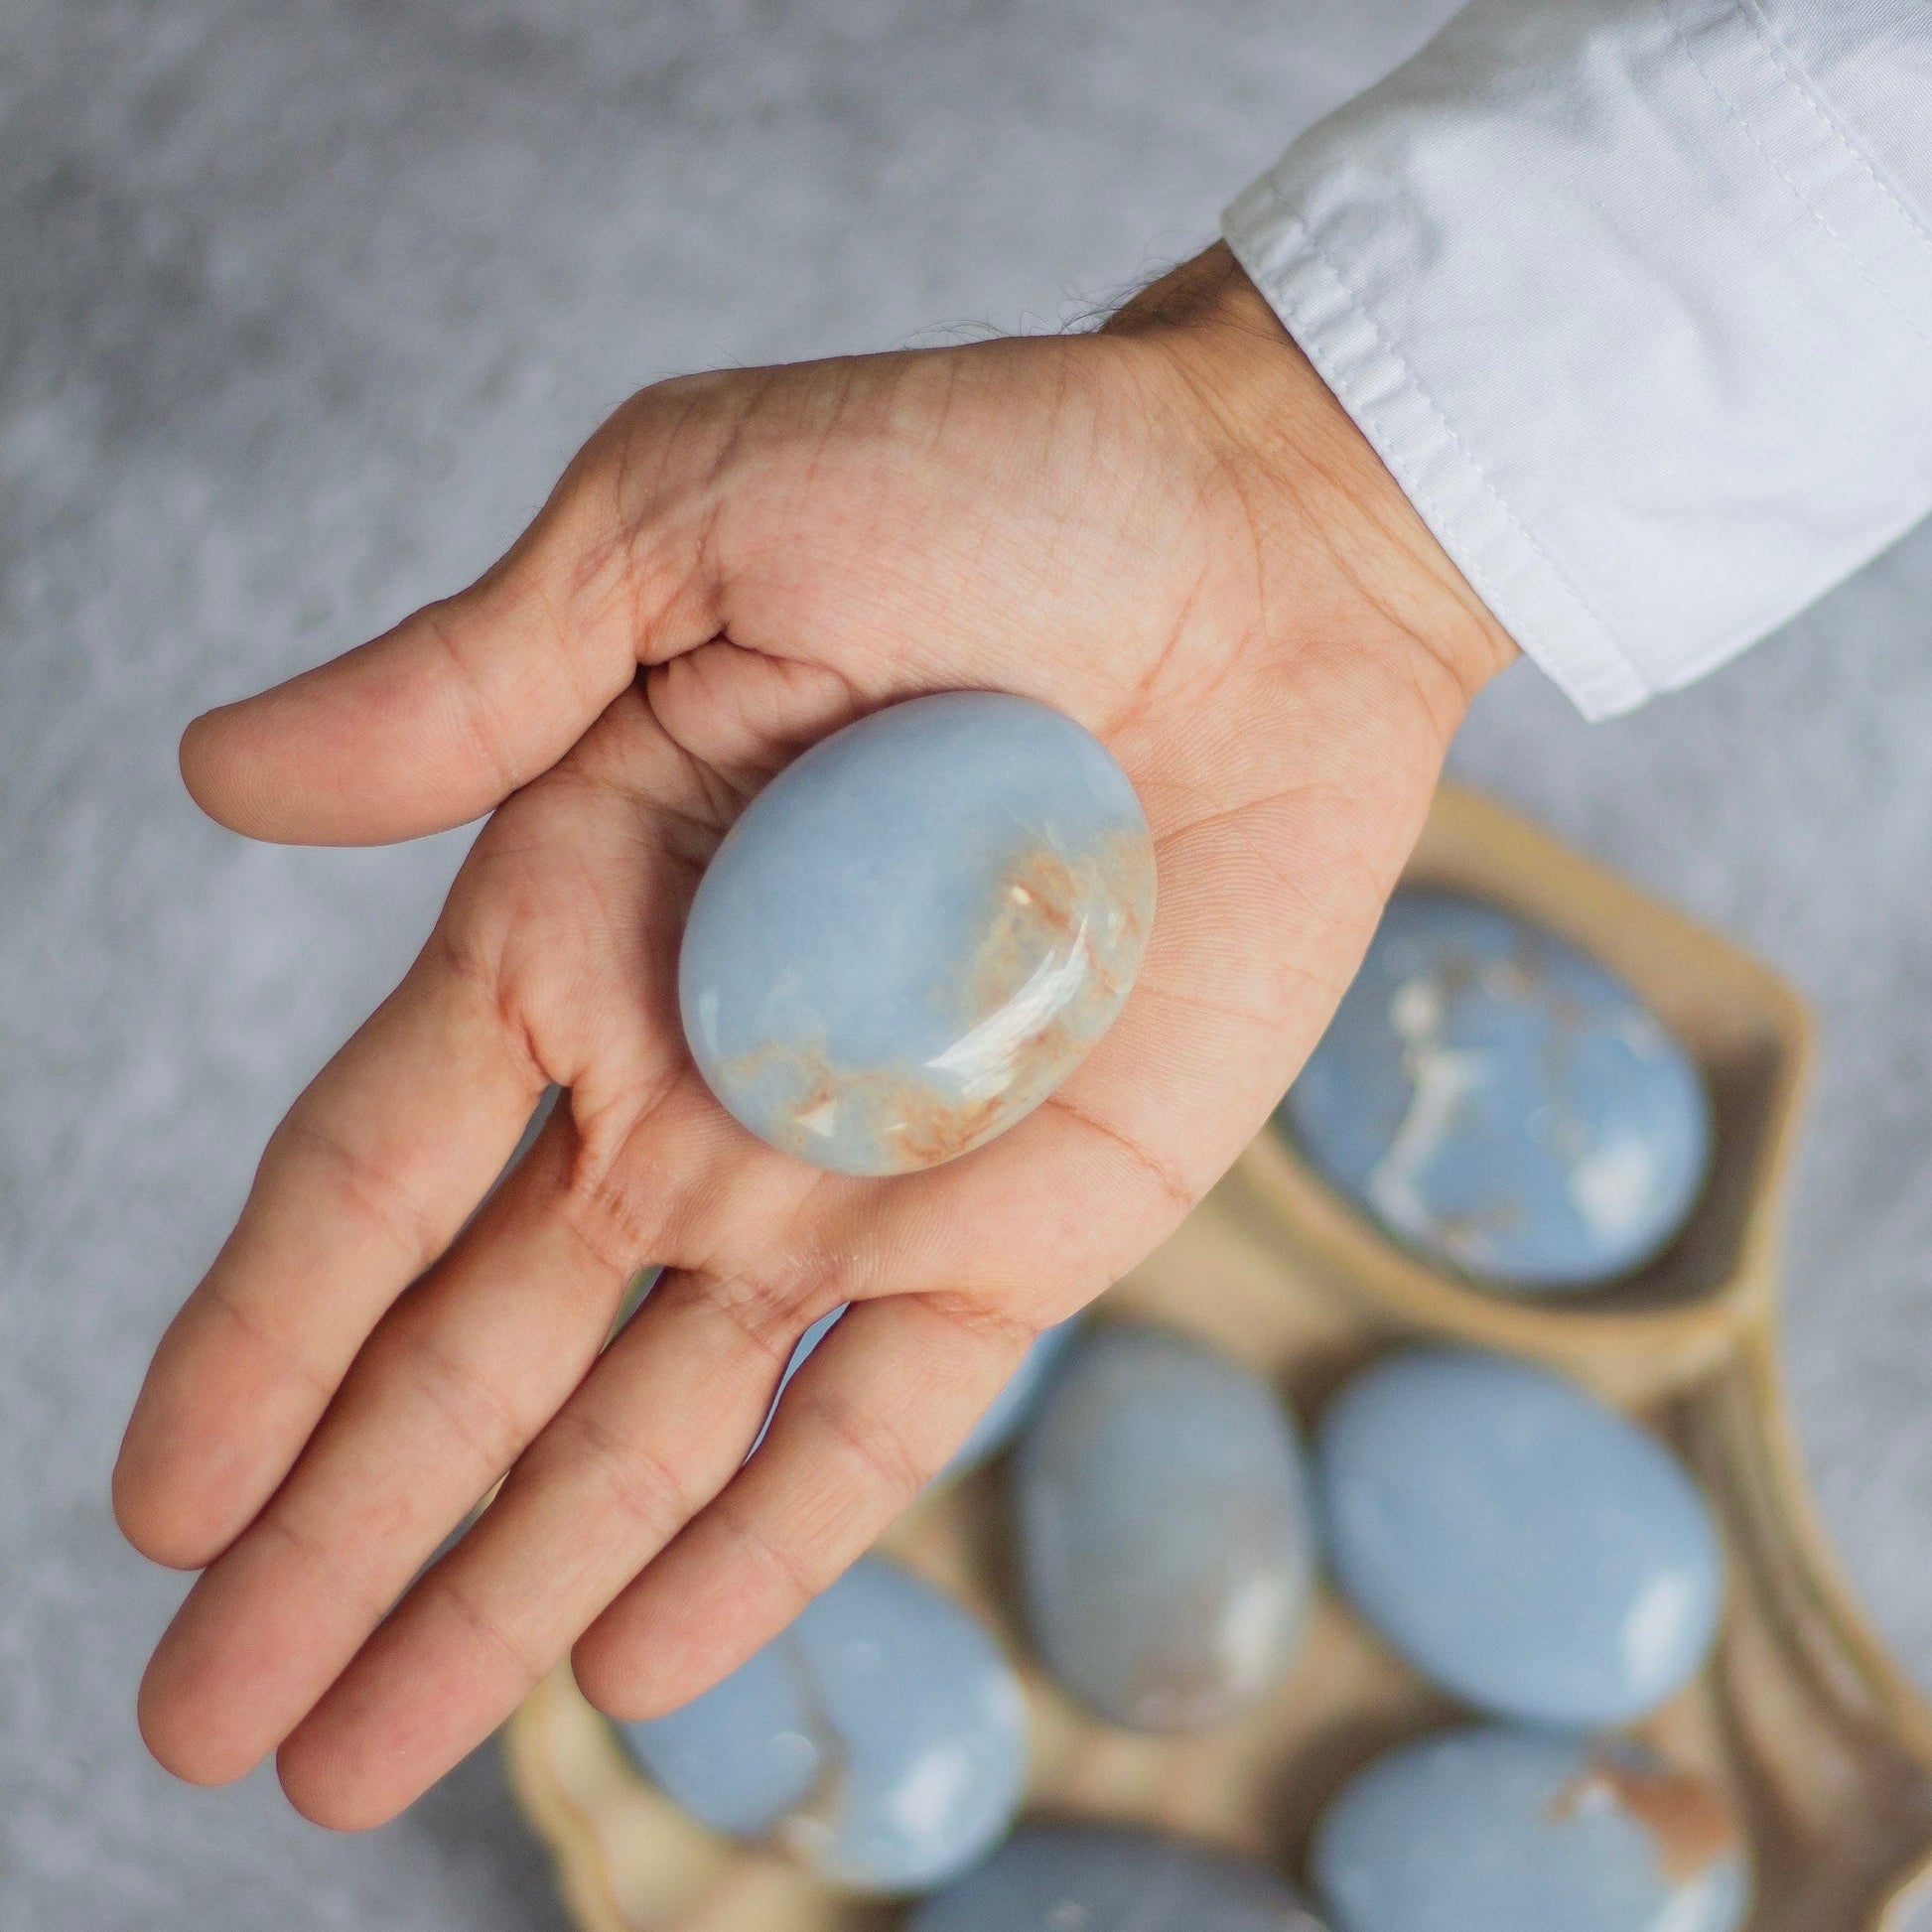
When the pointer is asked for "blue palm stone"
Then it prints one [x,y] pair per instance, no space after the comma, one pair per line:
[1526,1546]
[1513,1830]
[1503,1104]
[1090,1878]
[882,1737]
[916,930]
[1164,1541]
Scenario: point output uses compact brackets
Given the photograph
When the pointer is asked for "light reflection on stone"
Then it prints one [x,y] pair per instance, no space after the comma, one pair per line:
[916,931]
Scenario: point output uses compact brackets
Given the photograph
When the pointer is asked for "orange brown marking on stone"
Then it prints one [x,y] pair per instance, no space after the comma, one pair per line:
[1035,914]
[898,1111]
[1685,1818]
[1043,912]
[928,1129]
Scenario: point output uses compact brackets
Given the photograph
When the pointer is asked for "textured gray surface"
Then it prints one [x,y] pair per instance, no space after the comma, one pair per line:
[301,309]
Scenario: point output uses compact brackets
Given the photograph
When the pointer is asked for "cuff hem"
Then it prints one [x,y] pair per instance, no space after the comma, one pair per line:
[1522,584]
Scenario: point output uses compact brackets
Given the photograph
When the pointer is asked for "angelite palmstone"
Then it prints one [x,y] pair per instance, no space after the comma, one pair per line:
[1003,1416]
[1165,1530]
[1528,1548]
[1512,1831]
[916,931]
[881,1737]
[1503,1104]
[1090,1878]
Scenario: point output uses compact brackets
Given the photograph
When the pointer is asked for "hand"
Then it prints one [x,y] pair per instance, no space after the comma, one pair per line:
[1168,530]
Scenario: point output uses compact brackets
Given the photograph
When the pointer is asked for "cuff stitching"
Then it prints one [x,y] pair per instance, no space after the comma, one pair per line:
[1442,518]
[1800,84]
[1734,114]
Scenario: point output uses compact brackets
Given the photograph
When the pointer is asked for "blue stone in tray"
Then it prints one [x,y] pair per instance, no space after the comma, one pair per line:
[1503,1104]
[882,1737]
[1511,1831]
[916,931]
[1531,1550]
[1086,1879]
[1164,1530]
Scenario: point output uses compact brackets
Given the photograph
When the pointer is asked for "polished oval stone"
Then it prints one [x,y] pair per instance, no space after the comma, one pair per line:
[916,930]
[1090,1878]
[1503,1104]
[882,1737]
[1164,1535]
[1003,1417]
[1528,1548]
[1514,1831]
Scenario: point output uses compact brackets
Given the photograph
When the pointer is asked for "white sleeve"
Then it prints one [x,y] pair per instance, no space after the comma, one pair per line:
[1634,298]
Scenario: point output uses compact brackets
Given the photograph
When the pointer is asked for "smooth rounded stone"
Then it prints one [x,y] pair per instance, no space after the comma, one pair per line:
[881,1737]
[1164,1538]
[1503,1104]
[1090,1878]
[1528,1548]
[1004,1415]
[916,931]
[1513,1830]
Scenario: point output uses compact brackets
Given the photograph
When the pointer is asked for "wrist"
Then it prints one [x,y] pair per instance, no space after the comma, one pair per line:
[1305,469]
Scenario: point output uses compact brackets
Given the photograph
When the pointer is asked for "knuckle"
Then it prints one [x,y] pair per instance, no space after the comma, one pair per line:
[334,1582]
[247,1323]
[493,1633]
[880,1453]
[612,1220]
[1166,1179]
[776,1303]
[798,1580]
[366,1188]
[643,1484]
[1008,1329]
[480,720]
[483,1418]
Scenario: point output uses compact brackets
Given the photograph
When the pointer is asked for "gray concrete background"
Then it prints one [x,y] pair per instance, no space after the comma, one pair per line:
[301,310]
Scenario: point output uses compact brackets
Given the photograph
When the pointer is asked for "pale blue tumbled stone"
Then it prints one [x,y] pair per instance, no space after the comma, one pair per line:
[1090,1878]
[745,1755]
[1164,1520]
[1503,1104]
[1003,1416]
[1512,1831]
[916,930]
[882,1737]
[1524,1545]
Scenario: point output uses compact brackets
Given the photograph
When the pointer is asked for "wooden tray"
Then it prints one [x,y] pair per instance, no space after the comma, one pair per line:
[1822,1743]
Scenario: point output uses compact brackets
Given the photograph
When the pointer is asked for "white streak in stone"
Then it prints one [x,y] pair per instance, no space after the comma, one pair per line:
[1653,1633]
[1259,1608]
[929,1794]
[1442,1078]
[1643,1035]
[1613,1188]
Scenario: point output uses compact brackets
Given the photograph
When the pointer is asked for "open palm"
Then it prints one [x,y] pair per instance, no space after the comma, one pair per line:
[1169,531]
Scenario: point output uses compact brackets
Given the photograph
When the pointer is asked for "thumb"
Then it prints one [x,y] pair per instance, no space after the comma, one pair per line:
[441,718]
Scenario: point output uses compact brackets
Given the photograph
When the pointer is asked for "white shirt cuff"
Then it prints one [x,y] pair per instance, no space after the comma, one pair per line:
[1631,316]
